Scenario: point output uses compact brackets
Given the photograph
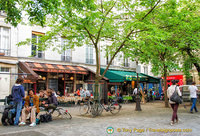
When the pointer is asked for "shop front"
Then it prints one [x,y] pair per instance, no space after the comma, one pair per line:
[126,81]
[63,78]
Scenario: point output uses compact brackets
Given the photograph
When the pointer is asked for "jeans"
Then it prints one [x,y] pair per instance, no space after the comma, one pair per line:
[175,109]
[18,112]
[194,100]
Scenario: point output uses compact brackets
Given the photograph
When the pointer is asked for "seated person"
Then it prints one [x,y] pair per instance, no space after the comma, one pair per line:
[52,102]
[31,106]
[42,95]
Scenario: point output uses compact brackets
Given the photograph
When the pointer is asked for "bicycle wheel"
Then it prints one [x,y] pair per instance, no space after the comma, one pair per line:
[67,115]
[96,109]
[115,108]
[57,112]
[83,109]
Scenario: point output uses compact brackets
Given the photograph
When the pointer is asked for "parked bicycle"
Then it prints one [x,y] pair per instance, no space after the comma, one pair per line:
[114,107]
[61,112]
[85,107]
[96,108]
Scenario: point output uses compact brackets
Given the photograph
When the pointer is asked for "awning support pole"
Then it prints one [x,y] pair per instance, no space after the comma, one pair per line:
[35,87]
[64,84]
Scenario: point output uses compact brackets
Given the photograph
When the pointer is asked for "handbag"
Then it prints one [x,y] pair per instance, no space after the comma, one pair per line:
[176,98]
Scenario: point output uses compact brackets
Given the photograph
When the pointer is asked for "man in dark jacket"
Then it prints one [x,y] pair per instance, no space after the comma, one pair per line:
[52,101]
[18,95]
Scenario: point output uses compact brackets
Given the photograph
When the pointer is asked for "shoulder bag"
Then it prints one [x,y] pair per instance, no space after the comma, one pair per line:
[176,98]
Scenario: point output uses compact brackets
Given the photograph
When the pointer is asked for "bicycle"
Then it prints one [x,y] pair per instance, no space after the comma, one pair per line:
[114,107]
[85,107]
[60,112]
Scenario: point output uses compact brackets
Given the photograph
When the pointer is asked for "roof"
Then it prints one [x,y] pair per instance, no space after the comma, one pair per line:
[57,68]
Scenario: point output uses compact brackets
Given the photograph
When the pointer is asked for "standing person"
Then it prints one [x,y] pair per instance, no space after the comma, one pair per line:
[81,92]
[31,106]
[18,95]
[193,95]
[134,94]
[87,94]
[174,105]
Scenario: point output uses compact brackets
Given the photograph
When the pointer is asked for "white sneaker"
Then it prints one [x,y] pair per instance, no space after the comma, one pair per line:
[22,123]
[32,124]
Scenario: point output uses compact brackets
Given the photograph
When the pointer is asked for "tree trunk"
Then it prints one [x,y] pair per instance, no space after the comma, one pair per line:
[165,86]
[194,62]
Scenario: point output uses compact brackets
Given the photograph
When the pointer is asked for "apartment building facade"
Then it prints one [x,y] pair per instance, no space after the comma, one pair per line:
[25,60]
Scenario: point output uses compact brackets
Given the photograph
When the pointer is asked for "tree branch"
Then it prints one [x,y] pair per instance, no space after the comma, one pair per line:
[150,10]
[90,35]
[101,26]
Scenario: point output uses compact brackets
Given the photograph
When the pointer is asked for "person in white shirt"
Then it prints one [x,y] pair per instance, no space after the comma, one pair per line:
[81,92]
[134,94]
[135,91]
[193,95]
[174,105]
[87,94]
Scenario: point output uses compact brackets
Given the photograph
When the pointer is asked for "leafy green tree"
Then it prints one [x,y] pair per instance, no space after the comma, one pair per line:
[186,36]
[84,22]
[161,40]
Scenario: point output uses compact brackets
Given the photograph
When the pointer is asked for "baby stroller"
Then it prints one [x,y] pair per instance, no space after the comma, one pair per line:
[9,112]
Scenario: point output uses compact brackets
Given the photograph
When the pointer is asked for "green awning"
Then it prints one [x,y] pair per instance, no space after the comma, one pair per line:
[152,79]
[121,76]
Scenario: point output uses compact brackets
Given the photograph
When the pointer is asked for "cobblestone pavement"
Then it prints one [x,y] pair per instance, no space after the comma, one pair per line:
[128,122]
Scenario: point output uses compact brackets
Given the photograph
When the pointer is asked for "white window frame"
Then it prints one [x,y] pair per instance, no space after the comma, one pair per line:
[89,54]
[67,53]
[6,49]
[36,46]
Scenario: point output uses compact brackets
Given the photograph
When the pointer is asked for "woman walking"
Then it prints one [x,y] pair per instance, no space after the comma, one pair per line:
[174,105]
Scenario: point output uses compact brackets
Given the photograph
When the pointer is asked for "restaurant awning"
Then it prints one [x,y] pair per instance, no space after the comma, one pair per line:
[29,75]
[28,70]
[56,68]
[121,76]
[152,79]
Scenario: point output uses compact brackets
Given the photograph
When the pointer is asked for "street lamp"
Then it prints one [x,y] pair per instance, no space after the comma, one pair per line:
[138,107]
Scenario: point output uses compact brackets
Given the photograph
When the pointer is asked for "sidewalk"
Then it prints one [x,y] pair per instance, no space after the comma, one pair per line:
[153,117]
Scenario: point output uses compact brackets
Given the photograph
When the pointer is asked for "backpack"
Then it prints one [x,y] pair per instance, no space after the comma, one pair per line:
[45,118]
[5,119]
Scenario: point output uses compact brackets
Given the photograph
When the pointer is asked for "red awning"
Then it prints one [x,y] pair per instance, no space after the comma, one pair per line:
[57,68]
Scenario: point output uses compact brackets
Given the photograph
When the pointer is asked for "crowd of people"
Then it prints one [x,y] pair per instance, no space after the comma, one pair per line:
[30,104]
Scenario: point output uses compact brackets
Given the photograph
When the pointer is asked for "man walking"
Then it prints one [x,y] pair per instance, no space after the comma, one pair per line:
[18,95]
[193,95]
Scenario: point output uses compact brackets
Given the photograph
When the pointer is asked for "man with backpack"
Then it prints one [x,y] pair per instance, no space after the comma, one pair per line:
[18,95]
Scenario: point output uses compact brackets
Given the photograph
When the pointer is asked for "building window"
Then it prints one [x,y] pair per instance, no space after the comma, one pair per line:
[146,70]
[126,64]
[4,69]
[36,50]
[67,53]
[89,54]
[5,40]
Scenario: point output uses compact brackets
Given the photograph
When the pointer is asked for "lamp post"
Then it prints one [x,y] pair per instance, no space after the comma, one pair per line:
[138,107]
